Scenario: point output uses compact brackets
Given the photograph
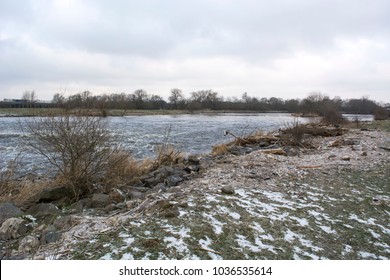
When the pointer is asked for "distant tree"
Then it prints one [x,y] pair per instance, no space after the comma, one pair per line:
[30,97]
[176,97]
[139,97]
[59,99]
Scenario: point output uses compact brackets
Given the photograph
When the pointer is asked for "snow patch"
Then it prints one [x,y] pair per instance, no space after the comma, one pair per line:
[217,225]
[205,244]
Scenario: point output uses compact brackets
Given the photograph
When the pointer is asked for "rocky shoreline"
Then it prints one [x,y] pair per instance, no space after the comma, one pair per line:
[261,200]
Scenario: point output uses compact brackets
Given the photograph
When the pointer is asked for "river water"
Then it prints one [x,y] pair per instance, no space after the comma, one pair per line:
[192,134]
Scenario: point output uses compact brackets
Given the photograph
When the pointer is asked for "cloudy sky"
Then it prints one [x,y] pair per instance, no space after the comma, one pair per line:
[281,48]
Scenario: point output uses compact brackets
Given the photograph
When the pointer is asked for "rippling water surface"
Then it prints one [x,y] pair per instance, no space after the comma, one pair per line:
[141,134]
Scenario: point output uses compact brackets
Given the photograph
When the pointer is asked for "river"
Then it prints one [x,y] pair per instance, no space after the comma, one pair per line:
[192,133]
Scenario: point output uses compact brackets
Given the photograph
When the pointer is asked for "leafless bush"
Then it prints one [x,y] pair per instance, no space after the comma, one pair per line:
[381,113]
[8,184]
[333,117]
[79,147]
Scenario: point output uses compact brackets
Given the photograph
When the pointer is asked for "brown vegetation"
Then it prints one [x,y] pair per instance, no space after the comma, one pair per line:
[79,147]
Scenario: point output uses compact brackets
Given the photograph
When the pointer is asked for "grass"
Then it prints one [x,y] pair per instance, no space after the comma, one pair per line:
[383,125]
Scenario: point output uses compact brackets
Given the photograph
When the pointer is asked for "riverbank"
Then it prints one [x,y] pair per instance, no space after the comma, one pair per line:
[30,112]
[329,201]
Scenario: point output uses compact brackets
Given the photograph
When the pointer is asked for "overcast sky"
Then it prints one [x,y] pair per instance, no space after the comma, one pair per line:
[266,48]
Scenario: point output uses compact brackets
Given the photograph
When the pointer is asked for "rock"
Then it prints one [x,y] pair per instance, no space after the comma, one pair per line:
[80,205]
[29,244]
[63,223]
[43,210]
[109,208]
[136,195]
[61,203]
[173,180]
[227,190]
[160,187]
[264,144]
[50,236]
[291,151]
[193,160]
[116,195]
[357,148]
[9,210]
[55,193]
[100,200]
[346,158]
[133,203]
[192,169]
[10,228]
[121,205]
[364,154]
[332,156]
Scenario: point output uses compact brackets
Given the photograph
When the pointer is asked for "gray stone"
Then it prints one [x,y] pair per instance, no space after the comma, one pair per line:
[55,193]
[10,228]
[173,180]
[193,160]
[80,205]
[136,195]
[227,190]
[263,144]
[100,200]
[9,210]
[110,207]
[29,244]
[50,237]
[63,223]
[121,205]
[43,210]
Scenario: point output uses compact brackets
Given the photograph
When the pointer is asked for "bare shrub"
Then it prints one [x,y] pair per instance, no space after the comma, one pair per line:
[381,114]
[333,117]
[8,183]
[293,134]
[79,147]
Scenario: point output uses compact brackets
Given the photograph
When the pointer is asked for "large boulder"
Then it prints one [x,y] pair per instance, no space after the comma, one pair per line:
[9,210]
[55,193]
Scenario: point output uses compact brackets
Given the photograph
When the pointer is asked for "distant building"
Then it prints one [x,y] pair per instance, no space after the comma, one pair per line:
[23,103]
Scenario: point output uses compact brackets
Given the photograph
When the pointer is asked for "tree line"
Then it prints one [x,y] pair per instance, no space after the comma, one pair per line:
[316,102]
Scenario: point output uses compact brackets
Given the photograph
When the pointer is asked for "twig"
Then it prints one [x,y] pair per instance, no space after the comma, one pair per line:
[208,250]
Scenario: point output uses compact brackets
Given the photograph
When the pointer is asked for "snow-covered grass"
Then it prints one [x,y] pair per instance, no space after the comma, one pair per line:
[278,211]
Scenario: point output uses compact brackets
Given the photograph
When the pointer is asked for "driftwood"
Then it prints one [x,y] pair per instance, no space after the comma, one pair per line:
[385,148]
[274,152]
[308,166]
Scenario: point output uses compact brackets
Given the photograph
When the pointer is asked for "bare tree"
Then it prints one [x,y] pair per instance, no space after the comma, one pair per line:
[30,97]
[175,97]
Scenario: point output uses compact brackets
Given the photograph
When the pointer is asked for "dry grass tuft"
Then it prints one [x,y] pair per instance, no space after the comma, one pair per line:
[167,155]
[220,149]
